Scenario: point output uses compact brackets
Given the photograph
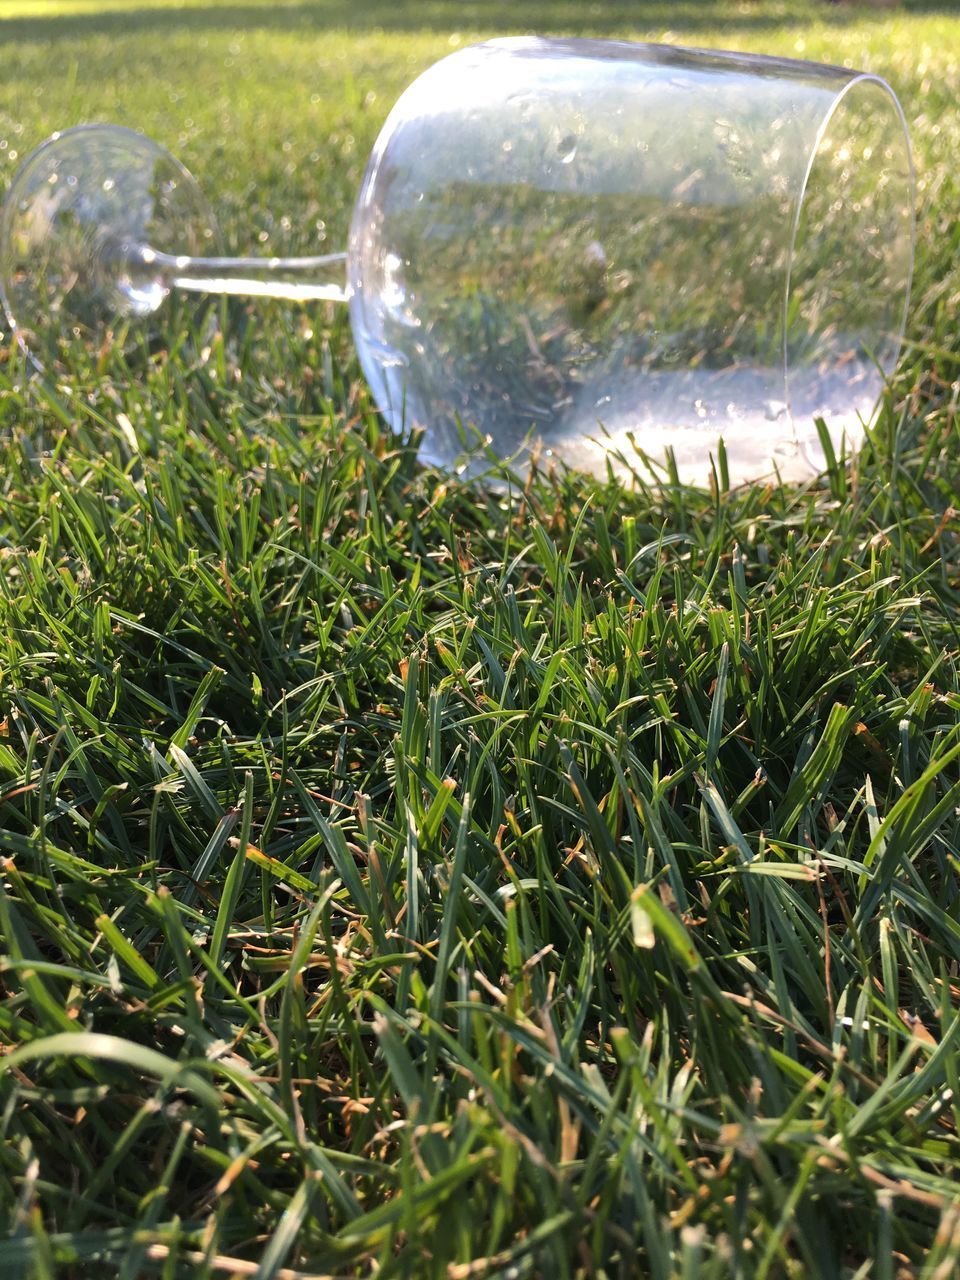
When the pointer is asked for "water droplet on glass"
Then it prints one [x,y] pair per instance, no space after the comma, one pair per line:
[522,102]
[108,184]
[567,148]
[700,408]
[774,409]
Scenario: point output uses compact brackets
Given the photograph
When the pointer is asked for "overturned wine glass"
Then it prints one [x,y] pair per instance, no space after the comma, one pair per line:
[577,248]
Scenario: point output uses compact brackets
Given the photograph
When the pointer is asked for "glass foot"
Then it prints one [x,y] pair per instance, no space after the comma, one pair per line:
[76,209]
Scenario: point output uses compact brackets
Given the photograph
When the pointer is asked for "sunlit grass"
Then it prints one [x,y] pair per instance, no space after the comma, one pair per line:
[413,879]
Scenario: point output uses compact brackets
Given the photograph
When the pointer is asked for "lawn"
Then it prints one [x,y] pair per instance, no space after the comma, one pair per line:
[406,878]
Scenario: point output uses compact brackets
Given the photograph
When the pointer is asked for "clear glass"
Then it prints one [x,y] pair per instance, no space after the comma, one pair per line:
[81,211]
[570,247]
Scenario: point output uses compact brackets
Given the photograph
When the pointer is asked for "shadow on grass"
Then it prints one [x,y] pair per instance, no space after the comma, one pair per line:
[571,17]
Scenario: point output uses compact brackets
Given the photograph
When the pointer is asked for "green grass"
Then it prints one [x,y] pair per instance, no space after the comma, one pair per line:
[409,879]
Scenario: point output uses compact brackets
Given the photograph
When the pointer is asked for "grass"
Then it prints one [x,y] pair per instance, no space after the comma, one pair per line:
[413,879]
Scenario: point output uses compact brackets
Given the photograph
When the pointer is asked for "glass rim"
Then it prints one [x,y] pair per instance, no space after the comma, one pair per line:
[857,79]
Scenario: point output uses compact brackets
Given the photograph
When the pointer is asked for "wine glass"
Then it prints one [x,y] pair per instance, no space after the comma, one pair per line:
[571,248]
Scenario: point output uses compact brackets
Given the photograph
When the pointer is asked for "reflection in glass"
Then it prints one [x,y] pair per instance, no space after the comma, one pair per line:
[573,247]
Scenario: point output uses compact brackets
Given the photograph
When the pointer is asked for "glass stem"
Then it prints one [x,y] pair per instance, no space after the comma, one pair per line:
[316,279]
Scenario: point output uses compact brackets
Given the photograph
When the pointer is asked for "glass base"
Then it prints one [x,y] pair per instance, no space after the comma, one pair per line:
[74,210]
